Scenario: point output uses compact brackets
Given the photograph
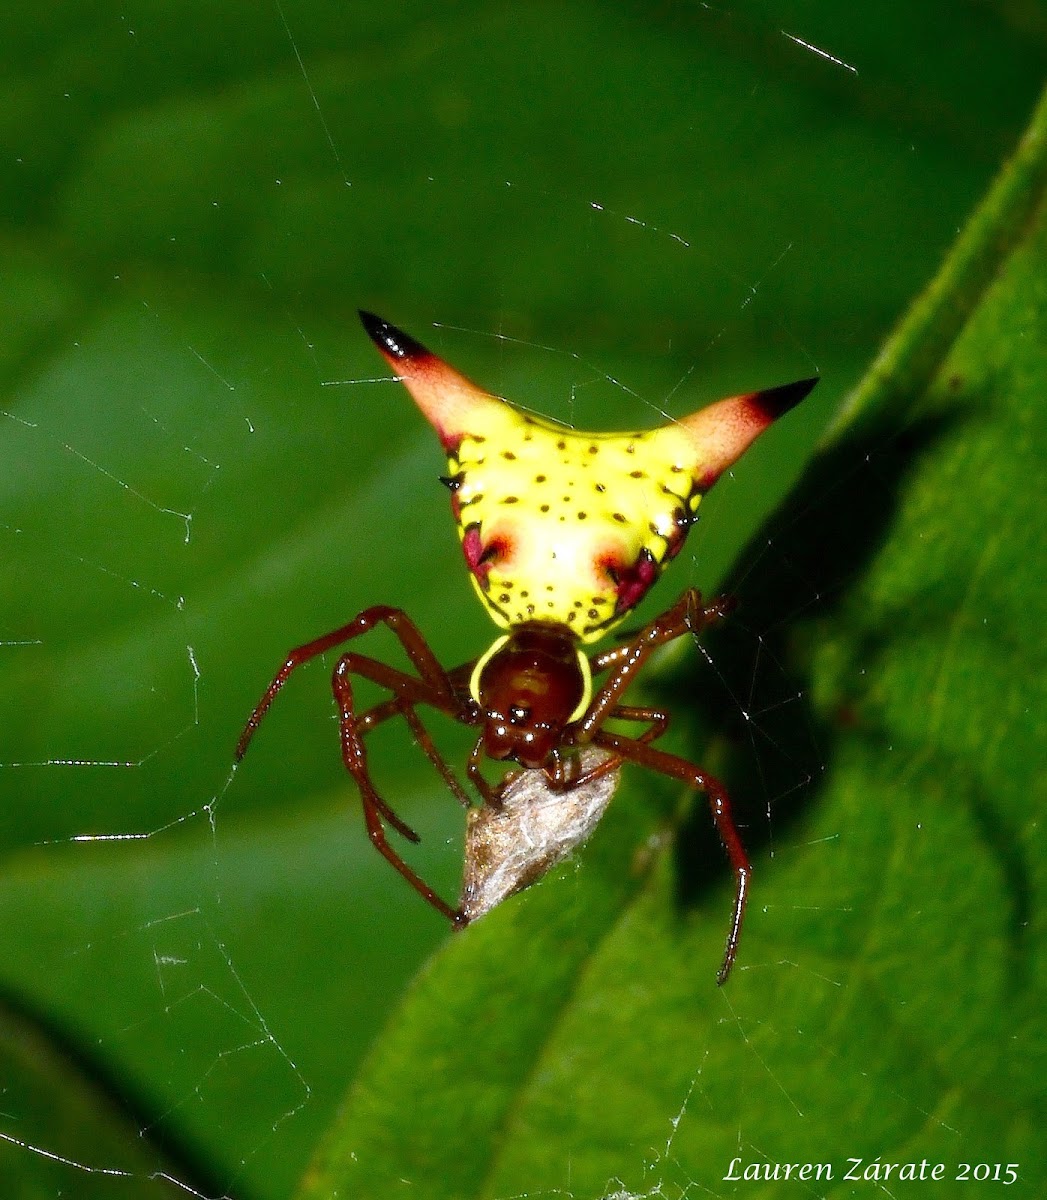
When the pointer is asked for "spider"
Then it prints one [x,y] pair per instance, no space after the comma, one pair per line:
[563,533]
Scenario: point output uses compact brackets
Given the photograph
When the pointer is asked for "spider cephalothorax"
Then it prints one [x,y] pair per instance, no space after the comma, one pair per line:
[563,533]
[530,686]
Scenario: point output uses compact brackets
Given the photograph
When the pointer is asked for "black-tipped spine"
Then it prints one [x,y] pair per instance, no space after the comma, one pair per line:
[778,400]
[391,341]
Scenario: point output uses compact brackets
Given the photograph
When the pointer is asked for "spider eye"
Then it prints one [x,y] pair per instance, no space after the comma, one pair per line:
[519,714]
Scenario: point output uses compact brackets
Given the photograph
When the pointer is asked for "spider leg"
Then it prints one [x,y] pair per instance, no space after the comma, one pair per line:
[560,774]
[679,768]
[354,754]
[376,832]
[414,644]
[687,615]
[399,707]
[408,692]
[489,795]
[657,718]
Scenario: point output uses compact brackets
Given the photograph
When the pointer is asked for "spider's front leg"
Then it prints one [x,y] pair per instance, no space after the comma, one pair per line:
[398,707]
[398,622]
[433,687]
[688,615]
[679,768]
[408,692]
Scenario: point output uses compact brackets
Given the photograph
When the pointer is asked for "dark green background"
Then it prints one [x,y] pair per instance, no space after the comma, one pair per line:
[675,197]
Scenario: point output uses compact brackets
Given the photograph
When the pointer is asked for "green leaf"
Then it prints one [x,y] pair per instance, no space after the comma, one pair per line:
[890,989]
[684,199]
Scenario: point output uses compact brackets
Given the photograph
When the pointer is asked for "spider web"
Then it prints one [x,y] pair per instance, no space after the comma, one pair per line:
[160,562]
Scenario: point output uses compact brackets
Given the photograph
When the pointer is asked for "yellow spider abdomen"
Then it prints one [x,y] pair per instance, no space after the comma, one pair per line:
[562,526]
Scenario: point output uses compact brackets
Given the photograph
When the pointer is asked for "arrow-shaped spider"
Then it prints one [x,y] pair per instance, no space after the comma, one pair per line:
[563,533]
